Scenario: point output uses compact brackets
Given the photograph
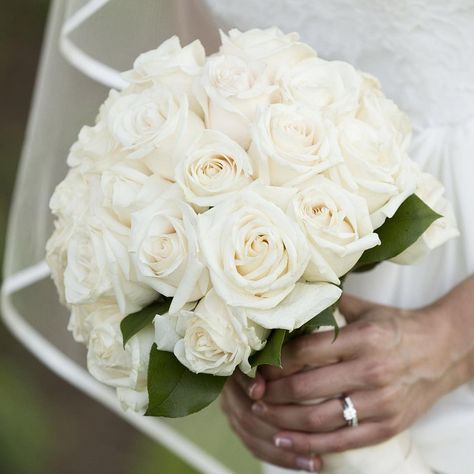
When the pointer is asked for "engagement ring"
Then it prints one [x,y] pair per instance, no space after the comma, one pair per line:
[349,412]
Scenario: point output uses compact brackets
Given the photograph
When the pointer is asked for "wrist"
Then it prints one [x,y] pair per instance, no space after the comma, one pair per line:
[452,342]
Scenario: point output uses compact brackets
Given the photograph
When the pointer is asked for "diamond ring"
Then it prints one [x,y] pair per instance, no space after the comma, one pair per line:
[349,412]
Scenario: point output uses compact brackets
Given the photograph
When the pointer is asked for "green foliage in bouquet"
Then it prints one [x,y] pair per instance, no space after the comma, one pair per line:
[135,322]
[175,391]
[324,318]
[271,353]
[412,218]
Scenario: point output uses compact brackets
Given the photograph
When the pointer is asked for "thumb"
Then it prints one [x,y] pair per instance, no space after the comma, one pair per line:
[352,308]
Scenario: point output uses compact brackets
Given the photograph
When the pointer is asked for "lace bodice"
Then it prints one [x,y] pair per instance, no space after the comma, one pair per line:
[421,50]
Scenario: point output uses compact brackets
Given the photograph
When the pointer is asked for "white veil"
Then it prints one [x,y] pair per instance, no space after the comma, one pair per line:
[86,44]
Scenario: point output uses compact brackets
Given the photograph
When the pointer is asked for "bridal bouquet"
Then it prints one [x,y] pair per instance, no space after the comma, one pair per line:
[216,205]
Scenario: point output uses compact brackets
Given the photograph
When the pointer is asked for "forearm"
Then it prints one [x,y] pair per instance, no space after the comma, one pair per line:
[455,313]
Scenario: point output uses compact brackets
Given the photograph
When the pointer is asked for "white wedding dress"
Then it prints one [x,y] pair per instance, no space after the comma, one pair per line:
[423,53]
[421,50]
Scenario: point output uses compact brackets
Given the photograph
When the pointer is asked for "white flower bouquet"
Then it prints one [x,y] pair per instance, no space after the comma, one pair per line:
[216,205]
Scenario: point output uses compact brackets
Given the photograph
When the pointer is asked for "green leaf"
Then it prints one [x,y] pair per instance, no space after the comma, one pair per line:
[324,318]
[271,353]
[135,322]
[175,391]
[412,218]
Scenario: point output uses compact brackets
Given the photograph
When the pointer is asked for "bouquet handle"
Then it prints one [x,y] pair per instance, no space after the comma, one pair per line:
[397,455]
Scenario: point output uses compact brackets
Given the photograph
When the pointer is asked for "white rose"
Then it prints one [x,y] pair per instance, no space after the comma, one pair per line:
[271,45]
[70,202]
[337,225]
[128,186]
[96,143]
[120,185]
[154,126]
[56,255]
[291,141]
[383,115]
[93,145]
[254,252]
[170,65]
[332,87]
[229,91]
[431,192]
[214,167]
[99,266]
[305,302]
[74,195]
[256,256]
[165,251]
[375,167]
[110,363]
[370,84]
[86,276]
[87,253]
[84,317]
[209,339]
[133,400]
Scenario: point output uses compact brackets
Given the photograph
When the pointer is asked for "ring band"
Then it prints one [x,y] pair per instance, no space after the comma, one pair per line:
[349,412]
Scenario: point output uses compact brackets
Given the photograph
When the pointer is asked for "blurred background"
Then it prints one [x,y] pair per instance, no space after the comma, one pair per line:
[47,426]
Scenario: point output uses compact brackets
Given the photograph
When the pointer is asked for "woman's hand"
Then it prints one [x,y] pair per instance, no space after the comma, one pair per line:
[393,364]
[258,435]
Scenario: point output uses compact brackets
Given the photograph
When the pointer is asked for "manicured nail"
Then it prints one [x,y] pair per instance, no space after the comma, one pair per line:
[283,442]
[252,389]
[259,408]
[306,464]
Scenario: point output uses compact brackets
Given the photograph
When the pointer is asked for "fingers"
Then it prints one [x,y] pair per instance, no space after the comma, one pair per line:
[258,435]
[344,439]
[238,406]
[314,350]
[322,417]
[326,416]
[371,405]
[273,455]
[362,339]
[325,382]
[352,307]
[253,387]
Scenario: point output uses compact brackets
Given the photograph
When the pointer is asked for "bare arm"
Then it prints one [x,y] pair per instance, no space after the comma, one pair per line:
[457,309]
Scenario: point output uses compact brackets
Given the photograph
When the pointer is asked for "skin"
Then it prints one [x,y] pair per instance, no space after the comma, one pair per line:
[394,364]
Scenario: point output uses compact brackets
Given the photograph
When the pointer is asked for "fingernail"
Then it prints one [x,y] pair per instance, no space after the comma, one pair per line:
[283,442]
[252,389]
[259,408]
[306,464]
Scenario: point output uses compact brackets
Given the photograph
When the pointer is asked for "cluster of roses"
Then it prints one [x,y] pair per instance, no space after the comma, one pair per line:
[243,185]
